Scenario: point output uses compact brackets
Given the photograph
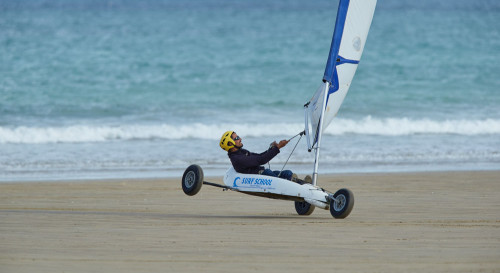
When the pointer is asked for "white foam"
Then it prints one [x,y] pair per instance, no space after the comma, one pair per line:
[365,126]
[405,126]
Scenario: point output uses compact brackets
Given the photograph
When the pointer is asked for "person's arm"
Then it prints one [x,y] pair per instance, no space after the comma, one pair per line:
[251,160]
[243,162]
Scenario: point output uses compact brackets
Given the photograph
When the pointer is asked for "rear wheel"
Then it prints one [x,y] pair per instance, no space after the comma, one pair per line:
[192,180]
[342,206]
[304,208]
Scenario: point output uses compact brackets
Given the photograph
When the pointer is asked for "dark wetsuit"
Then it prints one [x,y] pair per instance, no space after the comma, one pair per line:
[247,162]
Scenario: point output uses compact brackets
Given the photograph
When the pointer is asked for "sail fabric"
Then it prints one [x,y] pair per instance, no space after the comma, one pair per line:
[353,22]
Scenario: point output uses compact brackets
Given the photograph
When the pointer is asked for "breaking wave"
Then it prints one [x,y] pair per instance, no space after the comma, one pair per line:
[365,126]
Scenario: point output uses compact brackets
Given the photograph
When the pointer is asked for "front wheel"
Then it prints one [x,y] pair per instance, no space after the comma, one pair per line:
[342,205]
[192,180]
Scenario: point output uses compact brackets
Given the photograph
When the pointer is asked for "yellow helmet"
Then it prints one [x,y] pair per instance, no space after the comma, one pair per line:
[226,142]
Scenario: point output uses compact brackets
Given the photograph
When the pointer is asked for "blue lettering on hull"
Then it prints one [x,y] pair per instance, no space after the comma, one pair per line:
[247,182]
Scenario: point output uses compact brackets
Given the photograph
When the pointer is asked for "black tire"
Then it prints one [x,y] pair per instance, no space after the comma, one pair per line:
[304,208]
[192,180]
[341,208]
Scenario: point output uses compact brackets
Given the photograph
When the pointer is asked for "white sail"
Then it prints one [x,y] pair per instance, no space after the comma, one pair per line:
[353,22]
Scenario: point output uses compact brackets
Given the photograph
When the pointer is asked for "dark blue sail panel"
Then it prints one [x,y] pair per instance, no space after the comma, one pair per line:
[330,70]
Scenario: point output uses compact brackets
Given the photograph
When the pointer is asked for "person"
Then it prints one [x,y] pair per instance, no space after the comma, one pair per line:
[244,161]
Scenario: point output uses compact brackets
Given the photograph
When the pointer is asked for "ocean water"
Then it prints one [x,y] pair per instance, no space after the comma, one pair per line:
[135,89]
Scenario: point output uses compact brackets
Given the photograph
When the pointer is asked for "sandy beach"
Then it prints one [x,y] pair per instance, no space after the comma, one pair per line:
[404,222]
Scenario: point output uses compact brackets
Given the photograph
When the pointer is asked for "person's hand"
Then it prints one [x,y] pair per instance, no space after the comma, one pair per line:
[282,144]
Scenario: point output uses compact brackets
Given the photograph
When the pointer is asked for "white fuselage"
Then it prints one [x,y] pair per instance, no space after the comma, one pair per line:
[274,187]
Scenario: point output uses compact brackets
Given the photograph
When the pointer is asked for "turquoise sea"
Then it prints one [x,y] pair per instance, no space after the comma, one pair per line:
[135,89]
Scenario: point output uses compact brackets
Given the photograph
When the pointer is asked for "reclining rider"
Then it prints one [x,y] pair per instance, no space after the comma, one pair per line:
[245,161]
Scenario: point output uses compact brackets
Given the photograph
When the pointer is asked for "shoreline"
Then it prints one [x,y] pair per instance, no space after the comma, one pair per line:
[403,222]
[219,177]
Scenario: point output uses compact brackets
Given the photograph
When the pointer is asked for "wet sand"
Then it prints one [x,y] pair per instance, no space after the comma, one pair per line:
[405,222]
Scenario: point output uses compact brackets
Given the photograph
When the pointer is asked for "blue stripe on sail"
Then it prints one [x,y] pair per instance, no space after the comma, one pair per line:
[334,59]
[330,71]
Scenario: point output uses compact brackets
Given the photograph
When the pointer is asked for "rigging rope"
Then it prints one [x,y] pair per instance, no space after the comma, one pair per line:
[301,134]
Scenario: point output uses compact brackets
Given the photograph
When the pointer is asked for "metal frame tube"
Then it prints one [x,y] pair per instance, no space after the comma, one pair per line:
[318,144]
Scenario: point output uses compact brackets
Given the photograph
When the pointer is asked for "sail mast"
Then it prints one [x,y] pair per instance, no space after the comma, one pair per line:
[318,143]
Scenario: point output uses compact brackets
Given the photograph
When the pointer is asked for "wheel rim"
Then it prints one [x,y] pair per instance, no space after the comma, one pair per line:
[190,179]
[340,203]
